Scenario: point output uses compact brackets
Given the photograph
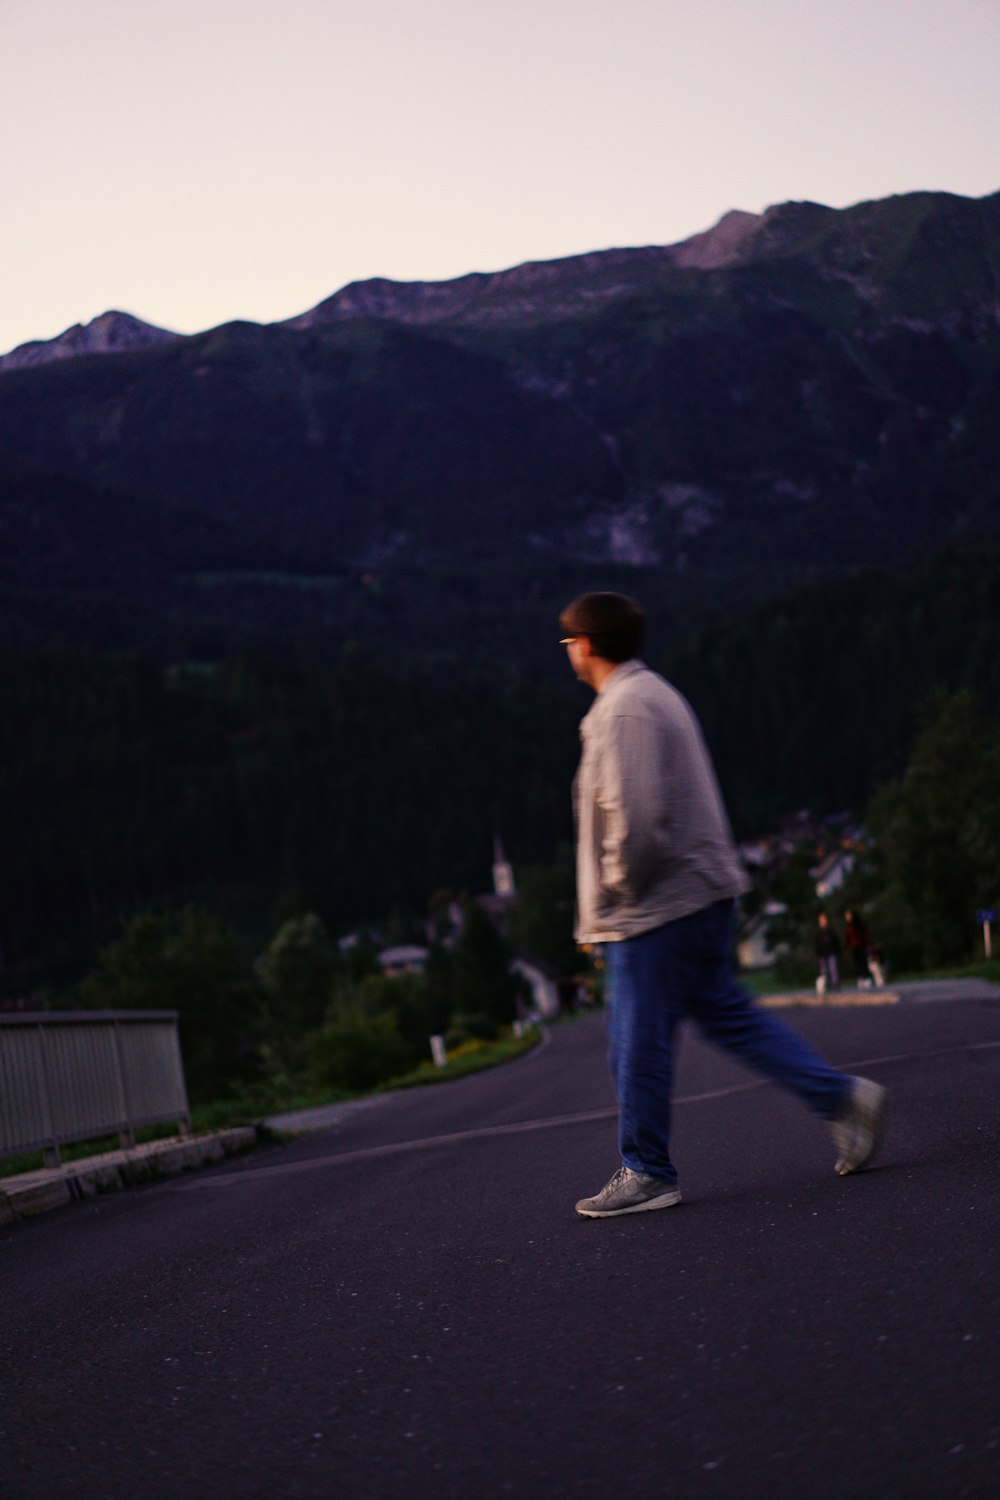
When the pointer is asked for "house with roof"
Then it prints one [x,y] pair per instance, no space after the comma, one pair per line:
[829,875]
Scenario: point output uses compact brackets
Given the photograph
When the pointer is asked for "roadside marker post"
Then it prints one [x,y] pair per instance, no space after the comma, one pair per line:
[987,917]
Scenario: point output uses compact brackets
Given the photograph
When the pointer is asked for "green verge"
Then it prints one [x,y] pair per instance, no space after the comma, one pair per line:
[471,1057]
[984,968]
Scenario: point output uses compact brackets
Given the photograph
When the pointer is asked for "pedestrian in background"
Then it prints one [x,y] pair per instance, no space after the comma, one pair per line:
[858,941]
[657,878]
[828,954]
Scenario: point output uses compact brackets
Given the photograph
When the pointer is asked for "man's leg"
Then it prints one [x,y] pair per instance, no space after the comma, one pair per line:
[642,1014]
[645,1003]
[727,1014]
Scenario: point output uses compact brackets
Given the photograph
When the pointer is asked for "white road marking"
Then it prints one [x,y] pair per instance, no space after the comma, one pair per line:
[521,1127]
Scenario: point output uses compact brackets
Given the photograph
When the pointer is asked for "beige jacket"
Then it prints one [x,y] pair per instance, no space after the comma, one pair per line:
[653,842]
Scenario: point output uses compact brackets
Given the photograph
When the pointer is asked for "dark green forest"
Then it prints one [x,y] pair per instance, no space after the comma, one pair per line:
[814,699]
[351,779]
[248,782]
[355,777]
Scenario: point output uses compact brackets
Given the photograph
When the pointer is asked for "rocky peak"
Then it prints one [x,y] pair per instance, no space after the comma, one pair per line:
[721,244]
[111,333]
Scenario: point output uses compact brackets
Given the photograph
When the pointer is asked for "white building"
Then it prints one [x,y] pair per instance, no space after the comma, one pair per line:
[754,949]
[405,958]
[829,875]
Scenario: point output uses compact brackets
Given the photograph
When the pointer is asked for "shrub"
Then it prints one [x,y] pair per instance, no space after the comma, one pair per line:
[358,1050]
[471,1028]
[297,972]
[190,962]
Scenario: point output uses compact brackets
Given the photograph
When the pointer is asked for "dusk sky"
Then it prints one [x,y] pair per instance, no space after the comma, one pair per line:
[194,161]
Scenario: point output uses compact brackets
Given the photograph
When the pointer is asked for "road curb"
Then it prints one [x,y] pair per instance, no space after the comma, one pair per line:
[34,1193]
[829,1002]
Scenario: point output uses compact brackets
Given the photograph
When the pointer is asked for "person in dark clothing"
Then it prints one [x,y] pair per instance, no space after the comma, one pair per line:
[828,953]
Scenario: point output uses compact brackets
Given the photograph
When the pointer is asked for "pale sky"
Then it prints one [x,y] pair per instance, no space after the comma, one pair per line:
[194,161]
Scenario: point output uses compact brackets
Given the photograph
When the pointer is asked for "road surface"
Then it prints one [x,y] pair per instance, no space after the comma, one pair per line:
[405,1304]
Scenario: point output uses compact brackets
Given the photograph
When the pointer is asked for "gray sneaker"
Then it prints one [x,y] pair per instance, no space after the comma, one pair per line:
[856,1133]
[629,1192]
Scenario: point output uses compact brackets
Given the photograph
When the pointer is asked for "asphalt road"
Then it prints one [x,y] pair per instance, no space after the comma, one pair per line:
[405,1304]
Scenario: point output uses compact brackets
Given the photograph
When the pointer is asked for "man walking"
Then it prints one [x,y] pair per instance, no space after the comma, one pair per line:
[657,878]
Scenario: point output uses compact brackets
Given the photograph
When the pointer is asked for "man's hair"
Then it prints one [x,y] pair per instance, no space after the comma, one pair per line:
[614,624]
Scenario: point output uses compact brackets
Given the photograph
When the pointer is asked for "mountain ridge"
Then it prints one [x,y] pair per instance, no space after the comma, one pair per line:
[114,332]
[111,332]
[815,388]
[732,239]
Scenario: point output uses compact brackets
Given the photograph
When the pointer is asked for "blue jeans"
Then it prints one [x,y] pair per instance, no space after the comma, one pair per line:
[685,969]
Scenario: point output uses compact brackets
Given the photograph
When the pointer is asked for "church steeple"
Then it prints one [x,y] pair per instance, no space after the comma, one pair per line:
[503,874]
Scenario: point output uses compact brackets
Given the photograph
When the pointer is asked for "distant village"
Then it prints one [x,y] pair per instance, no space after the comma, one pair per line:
[547,992]
[836,841]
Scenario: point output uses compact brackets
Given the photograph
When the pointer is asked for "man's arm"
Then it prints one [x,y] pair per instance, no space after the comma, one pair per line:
[631,796]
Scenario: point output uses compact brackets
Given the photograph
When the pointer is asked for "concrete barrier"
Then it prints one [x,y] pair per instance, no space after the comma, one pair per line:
[33,1193]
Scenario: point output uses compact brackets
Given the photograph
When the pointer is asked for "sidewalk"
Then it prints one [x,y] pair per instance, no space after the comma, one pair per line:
[830,1000]
[910,991]
[51,1187]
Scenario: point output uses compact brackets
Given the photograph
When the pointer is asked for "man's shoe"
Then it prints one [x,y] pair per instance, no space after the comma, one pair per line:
[629,1192]
[856,1133]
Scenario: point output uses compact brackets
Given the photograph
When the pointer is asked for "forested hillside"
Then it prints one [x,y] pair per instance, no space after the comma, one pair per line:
[813,699]
[360,778]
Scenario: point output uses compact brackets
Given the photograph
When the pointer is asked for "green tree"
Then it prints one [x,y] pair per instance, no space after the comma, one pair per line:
[357,1050]
[542,921]
[439,986]
[483,984]
[414,999]
[189,962]
[935,830]
[297,973]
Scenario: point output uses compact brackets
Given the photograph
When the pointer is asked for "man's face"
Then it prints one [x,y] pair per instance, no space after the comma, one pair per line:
[580,653]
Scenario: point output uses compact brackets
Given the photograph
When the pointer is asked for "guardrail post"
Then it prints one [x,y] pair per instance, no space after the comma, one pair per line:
[50,1154]
[126,1136]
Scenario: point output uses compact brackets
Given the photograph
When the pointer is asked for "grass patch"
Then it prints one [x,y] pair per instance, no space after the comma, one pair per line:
[33,1161]
[471,1057]
[983,968]
[766,982]
[758,981]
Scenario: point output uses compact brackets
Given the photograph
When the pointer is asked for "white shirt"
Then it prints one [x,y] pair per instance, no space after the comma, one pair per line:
[653,842]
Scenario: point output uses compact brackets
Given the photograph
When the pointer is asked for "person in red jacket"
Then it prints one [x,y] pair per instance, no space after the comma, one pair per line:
[858,940]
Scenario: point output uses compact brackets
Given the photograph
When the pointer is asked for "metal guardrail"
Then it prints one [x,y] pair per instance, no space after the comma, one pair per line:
[74,1075]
